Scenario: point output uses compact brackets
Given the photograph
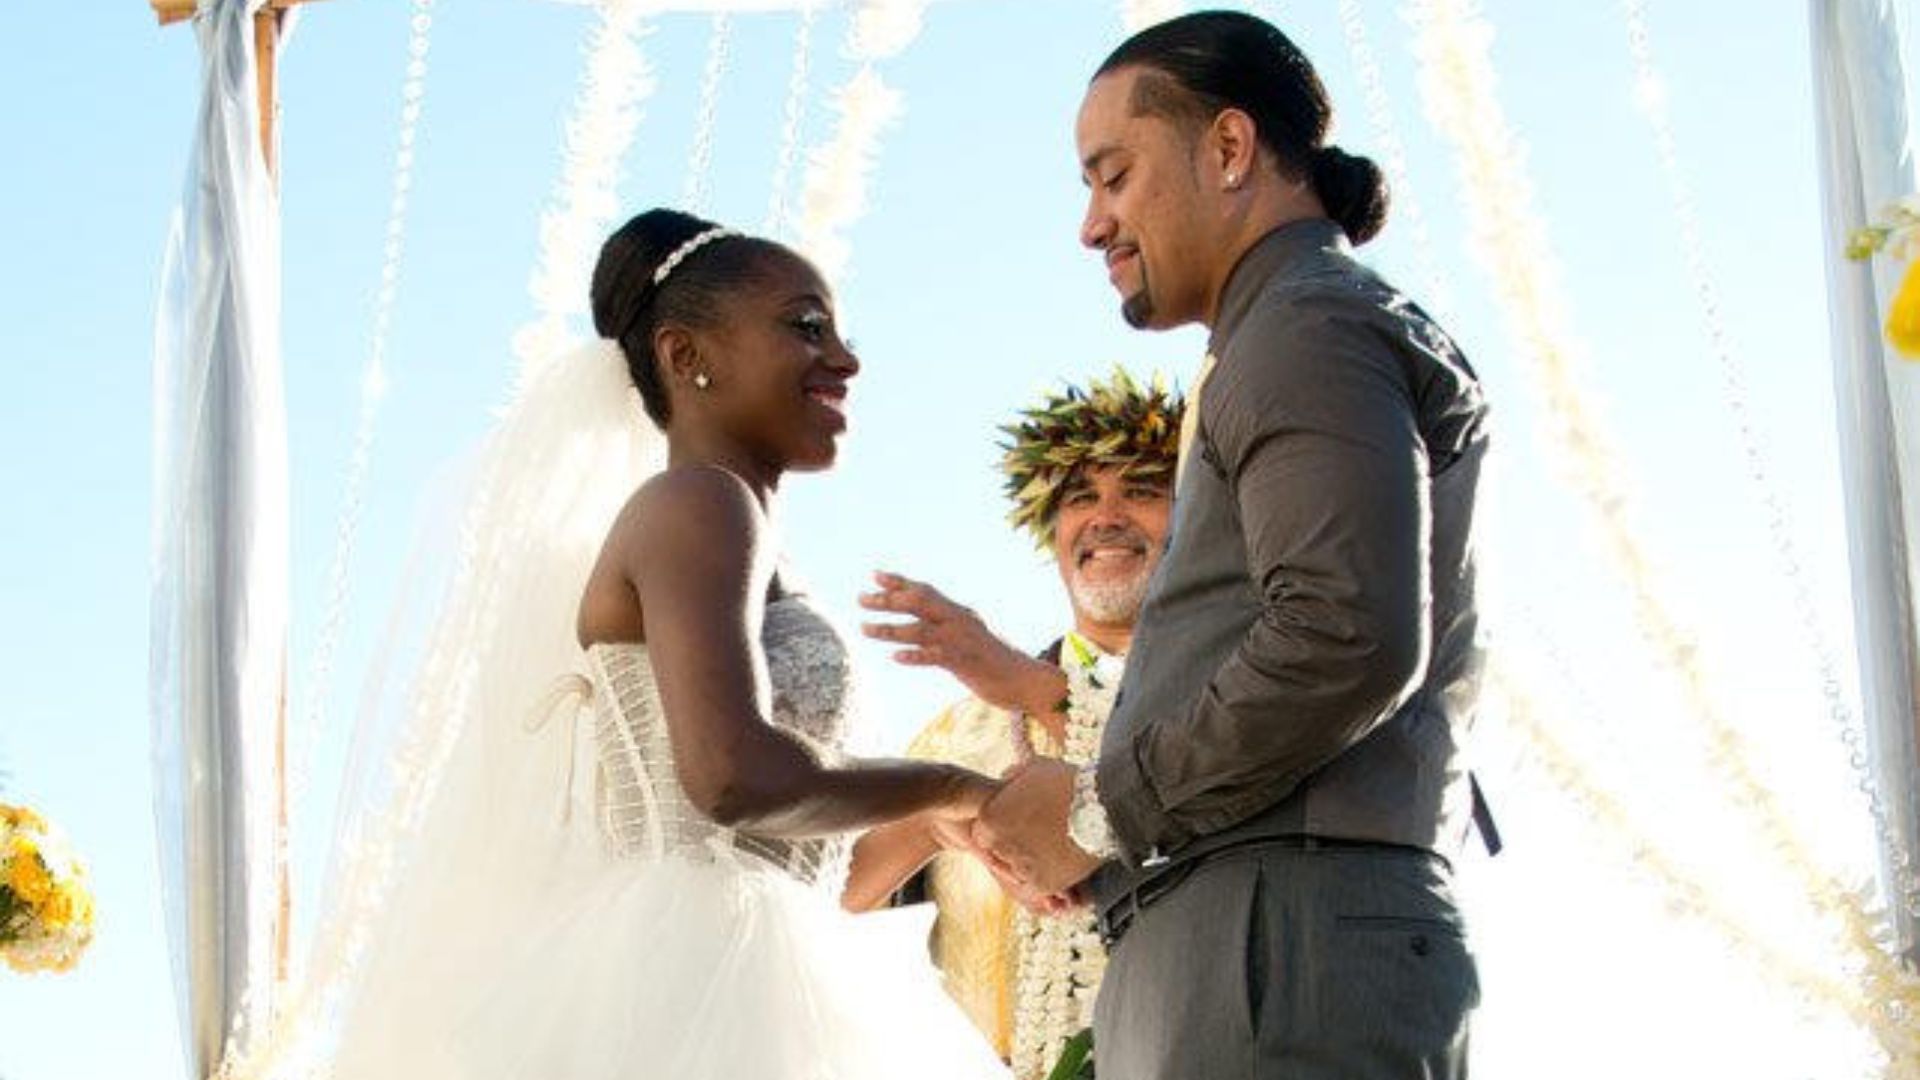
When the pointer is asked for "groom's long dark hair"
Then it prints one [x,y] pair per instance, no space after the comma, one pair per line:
[1215,60]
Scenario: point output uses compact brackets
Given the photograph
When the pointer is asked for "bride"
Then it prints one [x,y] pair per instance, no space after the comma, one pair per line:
[638,878]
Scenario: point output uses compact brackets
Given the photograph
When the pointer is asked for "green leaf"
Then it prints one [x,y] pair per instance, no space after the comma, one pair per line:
[1075,1058]
[1082,655]
[1862,243]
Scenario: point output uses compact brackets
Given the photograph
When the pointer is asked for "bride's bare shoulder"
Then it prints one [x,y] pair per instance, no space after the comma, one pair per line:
[702,499]
[696,518]
[693,522]
[694,487]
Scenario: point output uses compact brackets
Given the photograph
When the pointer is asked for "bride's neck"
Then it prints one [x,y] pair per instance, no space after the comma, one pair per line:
[687,448]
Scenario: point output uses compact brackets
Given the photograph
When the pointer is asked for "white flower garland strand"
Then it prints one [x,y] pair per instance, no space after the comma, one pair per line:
[1880,996]
[1058,961]
[1393,153]
[884,28]
[373,392]
[776,220]
[1651,99]
[834,192]
[304,736]
[693,196]
[616,82]
[1452,45]
[1457,80]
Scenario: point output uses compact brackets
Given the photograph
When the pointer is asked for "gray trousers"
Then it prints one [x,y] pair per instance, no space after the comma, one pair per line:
[1297,964]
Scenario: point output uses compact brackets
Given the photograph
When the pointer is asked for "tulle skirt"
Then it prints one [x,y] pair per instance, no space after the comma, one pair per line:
[688,969]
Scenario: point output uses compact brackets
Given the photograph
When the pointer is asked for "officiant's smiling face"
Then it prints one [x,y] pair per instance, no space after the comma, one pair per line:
[1145,209]
[1108,535]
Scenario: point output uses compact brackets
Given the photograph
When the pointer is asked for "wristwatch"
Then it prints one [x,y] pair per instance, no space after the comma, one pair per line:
[1087,823]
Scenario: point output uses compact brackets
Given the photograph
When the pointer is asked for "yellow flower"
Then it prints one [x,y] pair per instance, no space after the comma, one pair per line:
[81,917]
[1903,317]
[63,907]
[21,818]
[27,875]
[49,910]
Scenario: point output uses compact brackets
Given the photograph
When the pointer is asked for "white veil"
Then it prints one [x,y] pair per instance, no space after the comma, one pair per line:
[467,805]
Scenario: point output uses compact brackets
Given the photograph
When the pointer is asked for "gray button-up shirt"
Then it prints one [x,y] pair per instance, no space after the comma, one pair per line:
[1306,659]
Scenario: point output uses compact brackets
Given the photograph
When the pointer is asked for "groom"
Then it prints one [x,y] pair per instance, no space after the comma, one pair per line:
[1265,836]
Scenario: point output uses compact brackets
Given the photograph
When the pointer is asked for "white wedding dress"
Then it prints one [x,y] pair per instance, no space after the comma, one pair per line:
[516,892]
[700,953]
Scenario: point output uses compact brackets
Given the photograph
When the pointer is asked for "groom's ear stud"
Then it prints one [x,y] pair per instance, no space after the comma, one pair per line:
[701,381]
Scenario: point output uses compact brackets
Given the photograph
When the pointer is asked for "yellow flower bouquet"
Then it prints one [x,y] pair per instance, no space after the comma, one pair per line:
[46,912]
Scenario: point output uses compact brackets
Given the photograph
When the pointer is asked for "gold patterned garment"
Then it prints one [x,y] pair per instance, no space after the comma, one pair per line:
[1025,981]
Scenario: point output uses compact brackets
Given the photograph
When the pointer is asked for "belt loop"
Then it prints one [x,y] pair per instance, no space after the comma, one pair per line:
[1113,921]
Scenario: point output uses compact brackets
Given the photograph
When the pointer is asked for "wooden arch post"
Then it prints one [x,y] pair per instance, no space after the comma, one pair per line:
[266,41]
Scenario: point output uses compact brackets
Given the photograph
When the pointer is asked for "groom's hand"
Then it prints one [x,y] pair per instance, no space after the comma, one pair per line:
[956,835]
[941,633]
[1024,829]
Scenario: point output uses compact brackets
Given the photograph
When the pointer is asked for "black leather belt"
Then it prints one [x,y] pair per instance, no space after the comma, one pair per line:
[1112,921]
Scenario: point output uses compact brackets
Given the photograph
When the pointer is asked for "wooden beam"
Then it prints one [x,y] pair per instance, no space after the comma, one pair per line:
[266,47]
[266,53]
[173,11]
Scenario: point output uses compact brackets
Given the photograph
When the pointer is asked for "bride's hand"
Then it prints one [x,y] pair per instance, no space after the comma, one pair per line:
[967,795]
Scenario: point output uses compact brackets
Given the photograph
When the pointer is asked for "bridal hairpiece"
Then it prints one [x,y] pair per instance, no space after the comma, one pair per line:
[689,246]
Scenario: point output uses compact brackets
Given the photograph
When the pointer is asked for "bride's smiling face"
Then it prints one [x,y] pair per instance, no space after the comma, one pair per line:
[779,369]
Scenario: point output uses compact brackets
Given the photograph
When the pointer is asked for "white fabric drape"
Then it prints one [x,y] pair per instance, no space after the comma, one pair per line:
[219,572]
[1866,158]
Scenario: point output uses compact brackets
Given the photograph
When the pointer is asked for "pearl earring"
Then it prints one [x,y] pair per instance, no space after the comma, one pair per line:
[1233,181]
[701,381]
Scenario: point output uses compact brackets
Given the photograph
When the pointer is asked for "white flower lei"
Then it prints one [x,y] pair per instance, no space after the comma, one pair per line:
[1059,960]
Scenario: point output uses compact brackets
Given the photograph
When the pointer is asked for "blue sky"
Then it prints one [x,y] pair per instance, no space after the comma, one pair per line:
[967,294]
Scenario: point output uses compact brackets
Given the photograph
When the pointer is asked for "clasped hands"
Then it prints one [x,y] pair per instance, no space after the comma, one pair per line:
[1020,834]
[1017,828]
